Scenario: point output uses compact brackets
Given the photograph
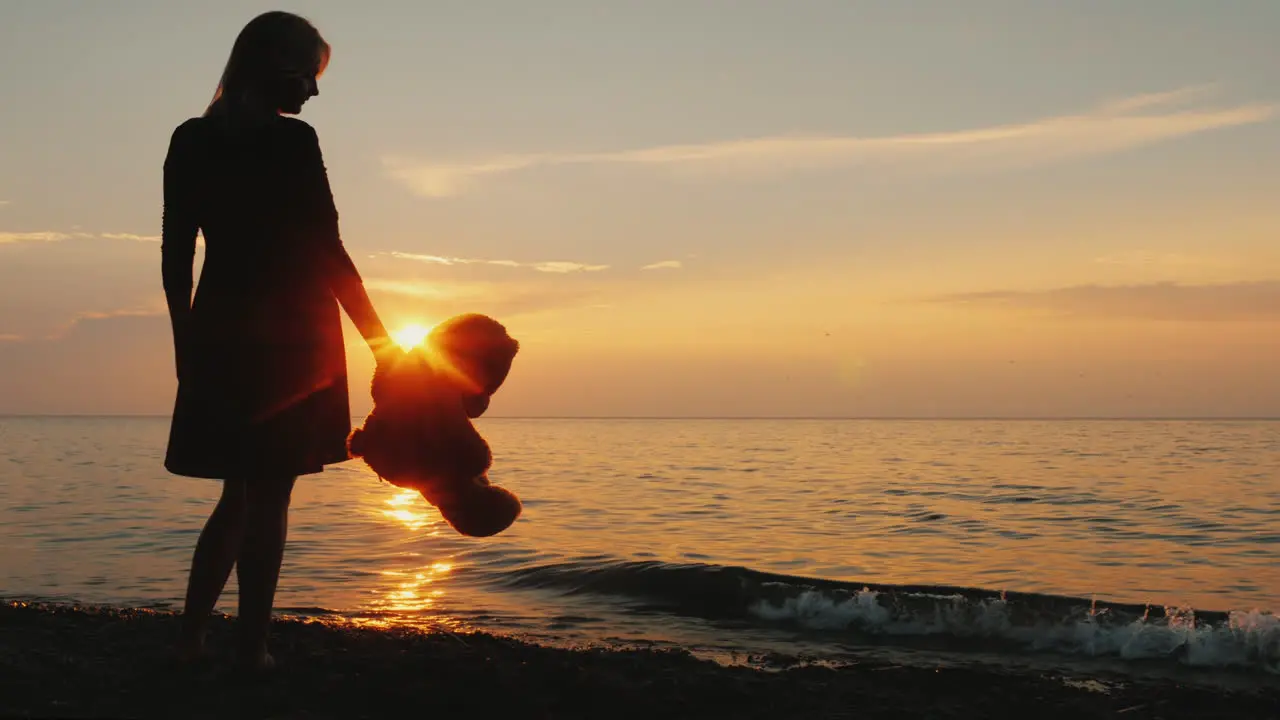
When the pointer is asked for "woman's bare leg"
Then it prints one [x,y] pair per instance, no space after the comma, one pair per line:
[215,553]
[258,568]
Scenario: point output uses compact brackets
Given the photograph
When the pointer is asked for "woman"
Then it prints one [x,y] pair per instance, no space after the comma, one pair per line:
[262,381]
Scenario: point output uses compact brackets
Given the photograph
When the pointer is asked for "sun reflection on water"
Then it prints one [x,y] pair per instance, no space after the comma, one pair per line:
[410,593]
[403,512]
[410,596]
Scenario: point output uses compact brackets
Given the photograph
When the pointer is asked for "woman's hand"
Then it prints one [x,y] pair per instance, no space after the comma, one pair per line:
[384,349]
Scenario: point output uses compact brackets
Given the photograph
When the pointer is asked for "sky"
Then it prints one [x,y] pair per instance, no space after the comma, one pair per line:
[997,208]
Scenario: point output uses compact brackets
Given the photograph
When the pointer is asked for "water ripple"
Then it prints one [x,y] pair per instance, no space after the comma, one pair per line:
[1174,514]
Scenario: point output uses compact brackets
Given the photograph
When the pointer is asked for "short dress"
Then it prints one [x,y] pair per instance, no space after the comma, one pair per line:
[262,389]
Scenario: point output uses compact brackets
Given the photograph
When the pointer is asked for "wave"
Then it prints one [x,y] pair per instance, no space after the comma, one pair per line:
[954,617]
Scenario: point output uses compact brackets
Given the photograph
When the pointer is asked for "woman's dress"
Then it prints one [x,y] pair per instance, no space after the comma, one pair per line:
[262,386]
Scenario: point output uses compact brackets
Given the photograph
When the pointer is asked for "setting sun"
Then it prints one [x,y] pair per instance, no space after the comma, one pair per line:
[411,336]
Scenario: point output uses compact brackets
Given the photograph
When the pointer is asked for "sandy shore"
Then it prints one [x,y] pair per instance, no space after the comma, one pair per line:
[59,661]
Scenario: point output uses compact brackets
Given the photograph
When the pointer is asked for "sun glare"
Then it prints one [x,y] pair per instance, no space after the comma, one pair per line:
[410,336]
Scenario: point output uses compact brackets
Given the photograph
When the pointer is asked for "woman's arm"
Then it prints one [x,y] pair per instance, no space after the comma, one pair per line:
[179,226]
[344,279]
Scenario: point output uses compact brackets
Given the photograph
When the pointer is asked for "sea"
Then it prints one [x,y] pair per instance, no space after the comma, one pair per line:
[1131,546]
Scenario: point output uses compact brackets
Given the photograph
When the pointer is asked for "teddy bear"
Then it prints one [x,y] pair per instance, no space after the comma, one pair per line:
[420,435]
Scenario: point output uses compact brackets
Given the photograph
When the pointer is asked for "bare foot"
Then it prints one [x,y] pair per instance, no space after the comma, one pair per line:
[191,652]
[259,663]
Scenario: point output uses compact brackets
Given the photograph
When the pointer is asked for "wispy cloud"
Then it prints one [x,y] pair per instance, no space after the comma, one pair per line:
[503,299]
[49,236]
[664,265]
[148,310]
[59,330]
[39,236]
[1112,127]
[3,203]
[442,260]
[127,312]
[1241,301]
[559,266]
[551,266]
[1162,260]
[131,236]
[416,288]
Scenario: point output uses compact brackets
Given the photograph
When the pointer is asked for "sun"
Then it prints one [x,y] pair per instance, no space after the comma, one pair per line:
[410,336]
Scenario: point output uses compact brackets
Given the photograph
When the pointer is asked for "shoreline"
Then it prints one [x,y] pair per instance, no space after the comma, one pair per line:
[61,660]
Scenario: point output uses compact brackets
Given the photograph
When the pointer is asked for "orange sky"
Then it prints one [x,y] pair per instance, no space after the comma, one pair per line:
[1073,214]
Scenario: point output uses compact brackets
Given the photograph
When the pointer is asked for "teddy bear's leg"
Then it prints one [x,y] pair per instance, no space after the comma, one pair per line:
[437,493]
[479,509]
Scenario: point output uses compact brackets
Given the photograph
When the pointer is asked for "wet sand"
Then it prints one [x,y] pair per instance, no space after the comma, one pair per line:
[61,661]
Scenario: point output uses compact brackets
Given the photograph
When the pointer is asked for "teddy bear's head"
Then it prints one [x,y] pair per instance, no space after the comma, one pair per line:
[477,351]
[466,358]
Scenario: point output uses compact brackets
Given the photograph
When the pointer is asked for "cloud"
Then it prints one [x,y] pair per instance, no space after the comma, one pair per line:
[70,326]
[566,267]
[552,266]
[135,312]
[49,236]
[45,236]
[3,203]
[82,317]
[1111,127]
[131,236]
[442,260]
[416,288]
[664,265]
[442,299]
[112,364]
[1156,260]
[1222,302]
[431,180]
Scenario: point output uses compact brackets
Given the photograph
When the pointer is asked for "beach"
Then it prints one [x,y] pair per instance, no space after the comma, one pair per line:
[66,661]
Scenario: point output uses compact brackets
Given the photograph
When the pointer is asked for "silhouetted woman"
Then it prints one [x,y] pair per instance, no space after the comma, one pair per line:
[262,379]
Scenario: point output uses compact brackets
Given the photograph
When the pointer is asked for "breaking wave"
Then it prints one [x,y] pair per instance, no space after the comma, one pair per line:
[955,617]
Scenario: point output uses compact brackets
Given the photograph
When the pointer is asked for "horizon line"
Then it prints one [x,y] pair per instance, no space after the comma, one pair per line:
[925,418]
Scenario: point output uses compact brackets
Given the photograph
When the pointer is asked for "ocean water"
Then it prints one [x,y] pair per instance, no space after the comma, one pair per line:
[1126,542]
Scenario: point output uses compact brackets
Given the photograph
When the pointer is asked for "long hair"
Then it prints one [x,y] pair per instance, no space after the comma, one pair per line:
[270,46]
